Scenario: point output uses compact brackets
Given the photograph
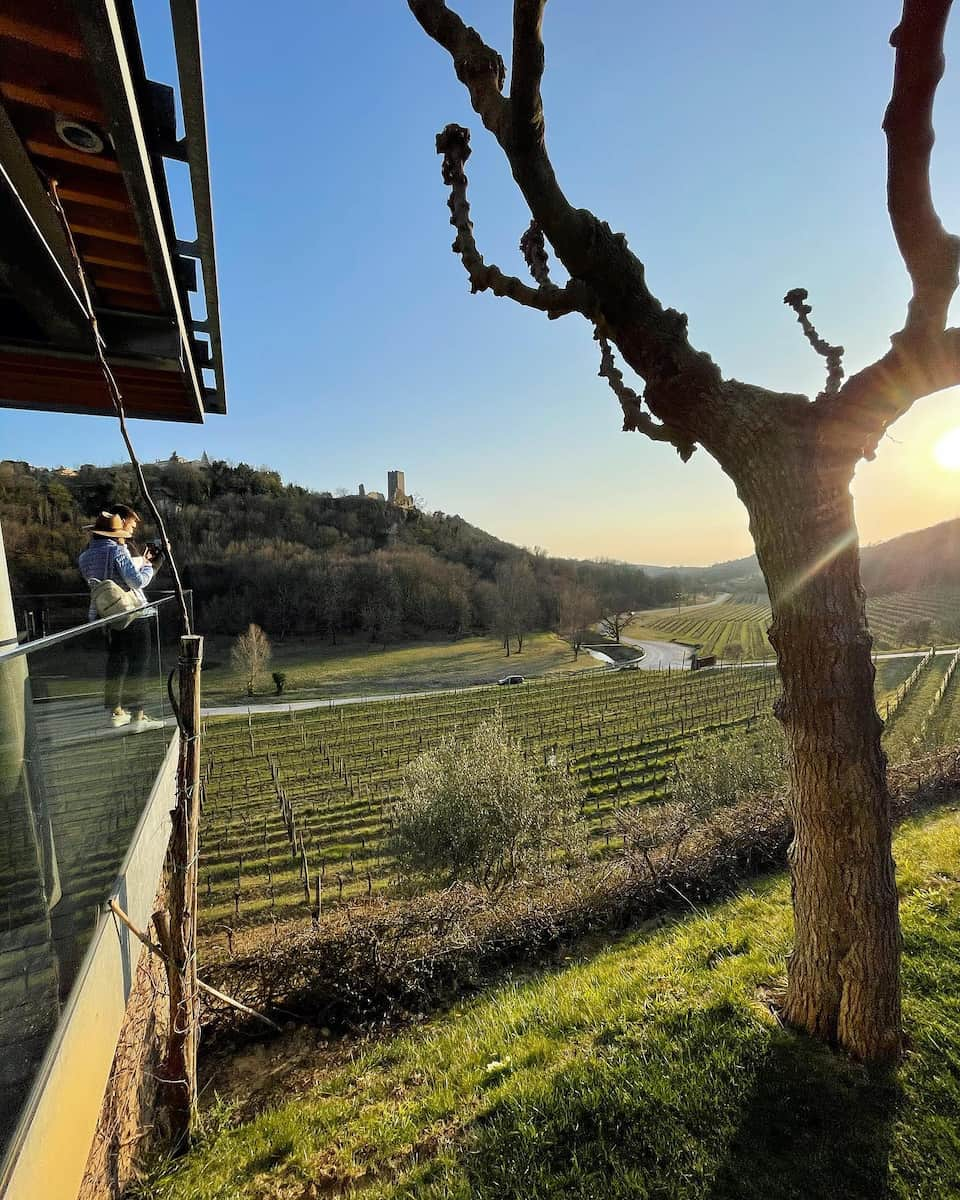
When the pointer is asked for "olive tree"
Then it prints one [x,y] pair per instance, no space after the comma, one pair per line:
[476,808]
[792,459]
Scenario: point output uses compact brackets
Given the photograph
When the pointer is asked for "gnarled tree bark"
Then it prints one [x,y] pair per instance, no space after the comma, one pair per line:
[844,970]
[792,461]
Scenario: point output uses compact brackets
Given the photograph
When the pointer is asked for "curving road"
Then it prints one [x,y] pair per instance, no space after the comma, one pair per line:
[658,656]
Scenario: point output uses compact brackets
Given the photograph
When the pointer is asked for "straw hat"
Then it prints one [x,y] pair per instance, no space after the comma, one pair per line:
[108,525]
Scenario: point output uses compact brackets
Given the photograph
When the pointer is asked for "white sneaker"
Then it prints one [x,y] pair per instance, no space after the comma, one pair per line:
[120,718]
[144,722]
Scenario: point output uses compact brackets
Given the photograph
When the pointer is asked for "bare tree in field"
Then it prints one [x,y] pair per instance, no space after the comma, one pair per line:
[577,609]
[516,601]
[249,655]
[792,460]
[614,622]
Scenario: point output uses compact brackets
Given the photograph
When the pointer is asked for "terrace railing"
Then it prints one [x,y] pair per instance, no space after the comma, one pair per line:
[76,789]
[39,614]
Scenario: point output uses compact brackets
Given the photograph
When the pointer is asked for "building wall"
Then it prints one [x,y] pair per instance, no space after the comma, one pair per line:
[129,1124]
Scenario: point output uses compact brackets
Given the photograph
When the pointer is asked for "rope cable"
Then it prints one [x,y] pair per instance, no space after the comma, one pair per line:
[117,398]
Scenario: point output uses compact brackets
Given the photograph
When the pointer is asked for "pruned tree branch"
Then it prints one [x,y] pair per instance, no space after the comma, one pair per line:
[833,354]
[931,255]
[634,418]
[527,70]
[454,144]
[534,251]
[478,66]
[924,356]
[873,398]
[681,381]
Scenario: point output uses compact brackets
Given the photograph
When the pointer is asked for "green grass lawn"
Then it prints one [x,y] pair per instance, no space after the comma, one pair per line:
[652,1068]
[315,668]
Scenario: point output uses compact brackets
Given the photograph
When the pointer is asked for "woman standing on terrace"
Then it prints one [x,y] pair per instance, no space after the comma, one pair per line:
[107,558]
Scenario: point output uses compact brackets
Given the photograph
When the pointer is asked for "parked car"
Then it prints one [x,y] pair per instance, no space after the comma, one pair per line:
[510,679]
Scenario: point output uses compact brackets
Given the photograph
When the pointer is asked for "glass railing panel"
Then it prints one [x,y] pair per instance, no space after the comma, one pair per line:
[40,614]
[73,783]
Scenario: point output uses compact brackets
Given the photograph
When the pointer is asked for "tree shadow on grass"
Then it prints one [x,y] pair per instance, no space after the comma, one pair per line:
[816,1125]
[726,1113]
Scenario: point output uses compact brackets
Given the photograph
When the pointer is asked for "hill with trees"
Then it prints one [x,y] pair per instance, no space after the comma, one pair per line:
[923,558]
[295,561]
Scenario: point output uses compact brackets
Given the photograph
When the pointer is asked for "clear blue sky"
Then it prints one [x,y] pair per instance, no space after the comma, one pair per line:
[739,147]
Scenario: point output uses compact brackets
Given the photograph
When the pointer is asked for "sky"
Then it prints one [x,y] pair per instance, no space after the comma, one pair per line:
[738,146]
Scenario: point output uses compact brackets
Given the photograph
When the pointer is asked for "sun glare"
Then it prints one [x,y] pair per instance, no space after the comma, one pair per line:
[947,450]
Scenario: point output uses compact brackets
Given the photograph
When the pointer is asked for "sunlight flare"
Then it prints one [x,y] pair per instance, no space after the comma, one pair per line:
[947,450]
[833,550]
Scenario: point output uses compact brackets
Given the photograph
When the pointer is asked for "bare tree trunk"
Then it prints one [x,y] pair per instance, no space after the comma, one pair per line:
[844,970]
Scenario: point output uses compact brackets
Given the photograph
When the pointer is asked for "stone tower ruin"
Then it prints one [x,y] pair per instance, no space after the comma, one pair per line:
[396,490]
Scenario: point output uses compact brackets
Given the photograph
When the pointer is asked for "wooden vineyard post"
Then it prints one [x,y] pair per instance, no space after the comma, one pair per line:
[180,1069]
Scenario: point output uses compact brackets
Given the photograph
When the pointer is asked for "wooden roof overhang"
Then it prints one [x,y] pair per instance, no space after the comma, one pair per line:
[69,65]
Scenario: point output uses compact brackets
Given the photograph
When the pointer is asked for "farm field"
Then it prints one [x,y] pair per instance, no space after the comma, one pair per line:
[716,629]
[943,724]
[886,614]
[891,673]
[926,714]
[315,668]
[743,619]
[296,797]
[698,600]
[312,788]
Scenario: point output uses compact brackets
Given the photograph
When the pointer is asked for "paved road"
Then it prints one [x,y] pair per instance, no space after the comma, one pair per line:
[239,710]
[677,657]
[658,656]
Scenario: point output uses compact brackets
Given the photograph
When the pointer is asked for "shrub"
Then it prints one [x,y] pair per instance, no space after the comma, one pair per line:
[279,681]
[719,772]
[720,769]
[476,809]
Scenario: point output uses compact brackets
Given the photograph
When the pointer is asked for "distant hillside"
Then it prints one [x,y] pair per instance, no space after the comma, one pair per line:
[299,561]
[921,559]
[924,558]
[741,574]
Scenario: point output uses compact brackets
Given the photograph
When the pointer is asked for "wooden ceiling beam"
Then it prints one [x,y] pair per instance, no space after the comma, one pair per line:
[69,107]
[122,281]
[93,162]
[94,199]
[129,302]
[35,35]
[105,260]
[109,235]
